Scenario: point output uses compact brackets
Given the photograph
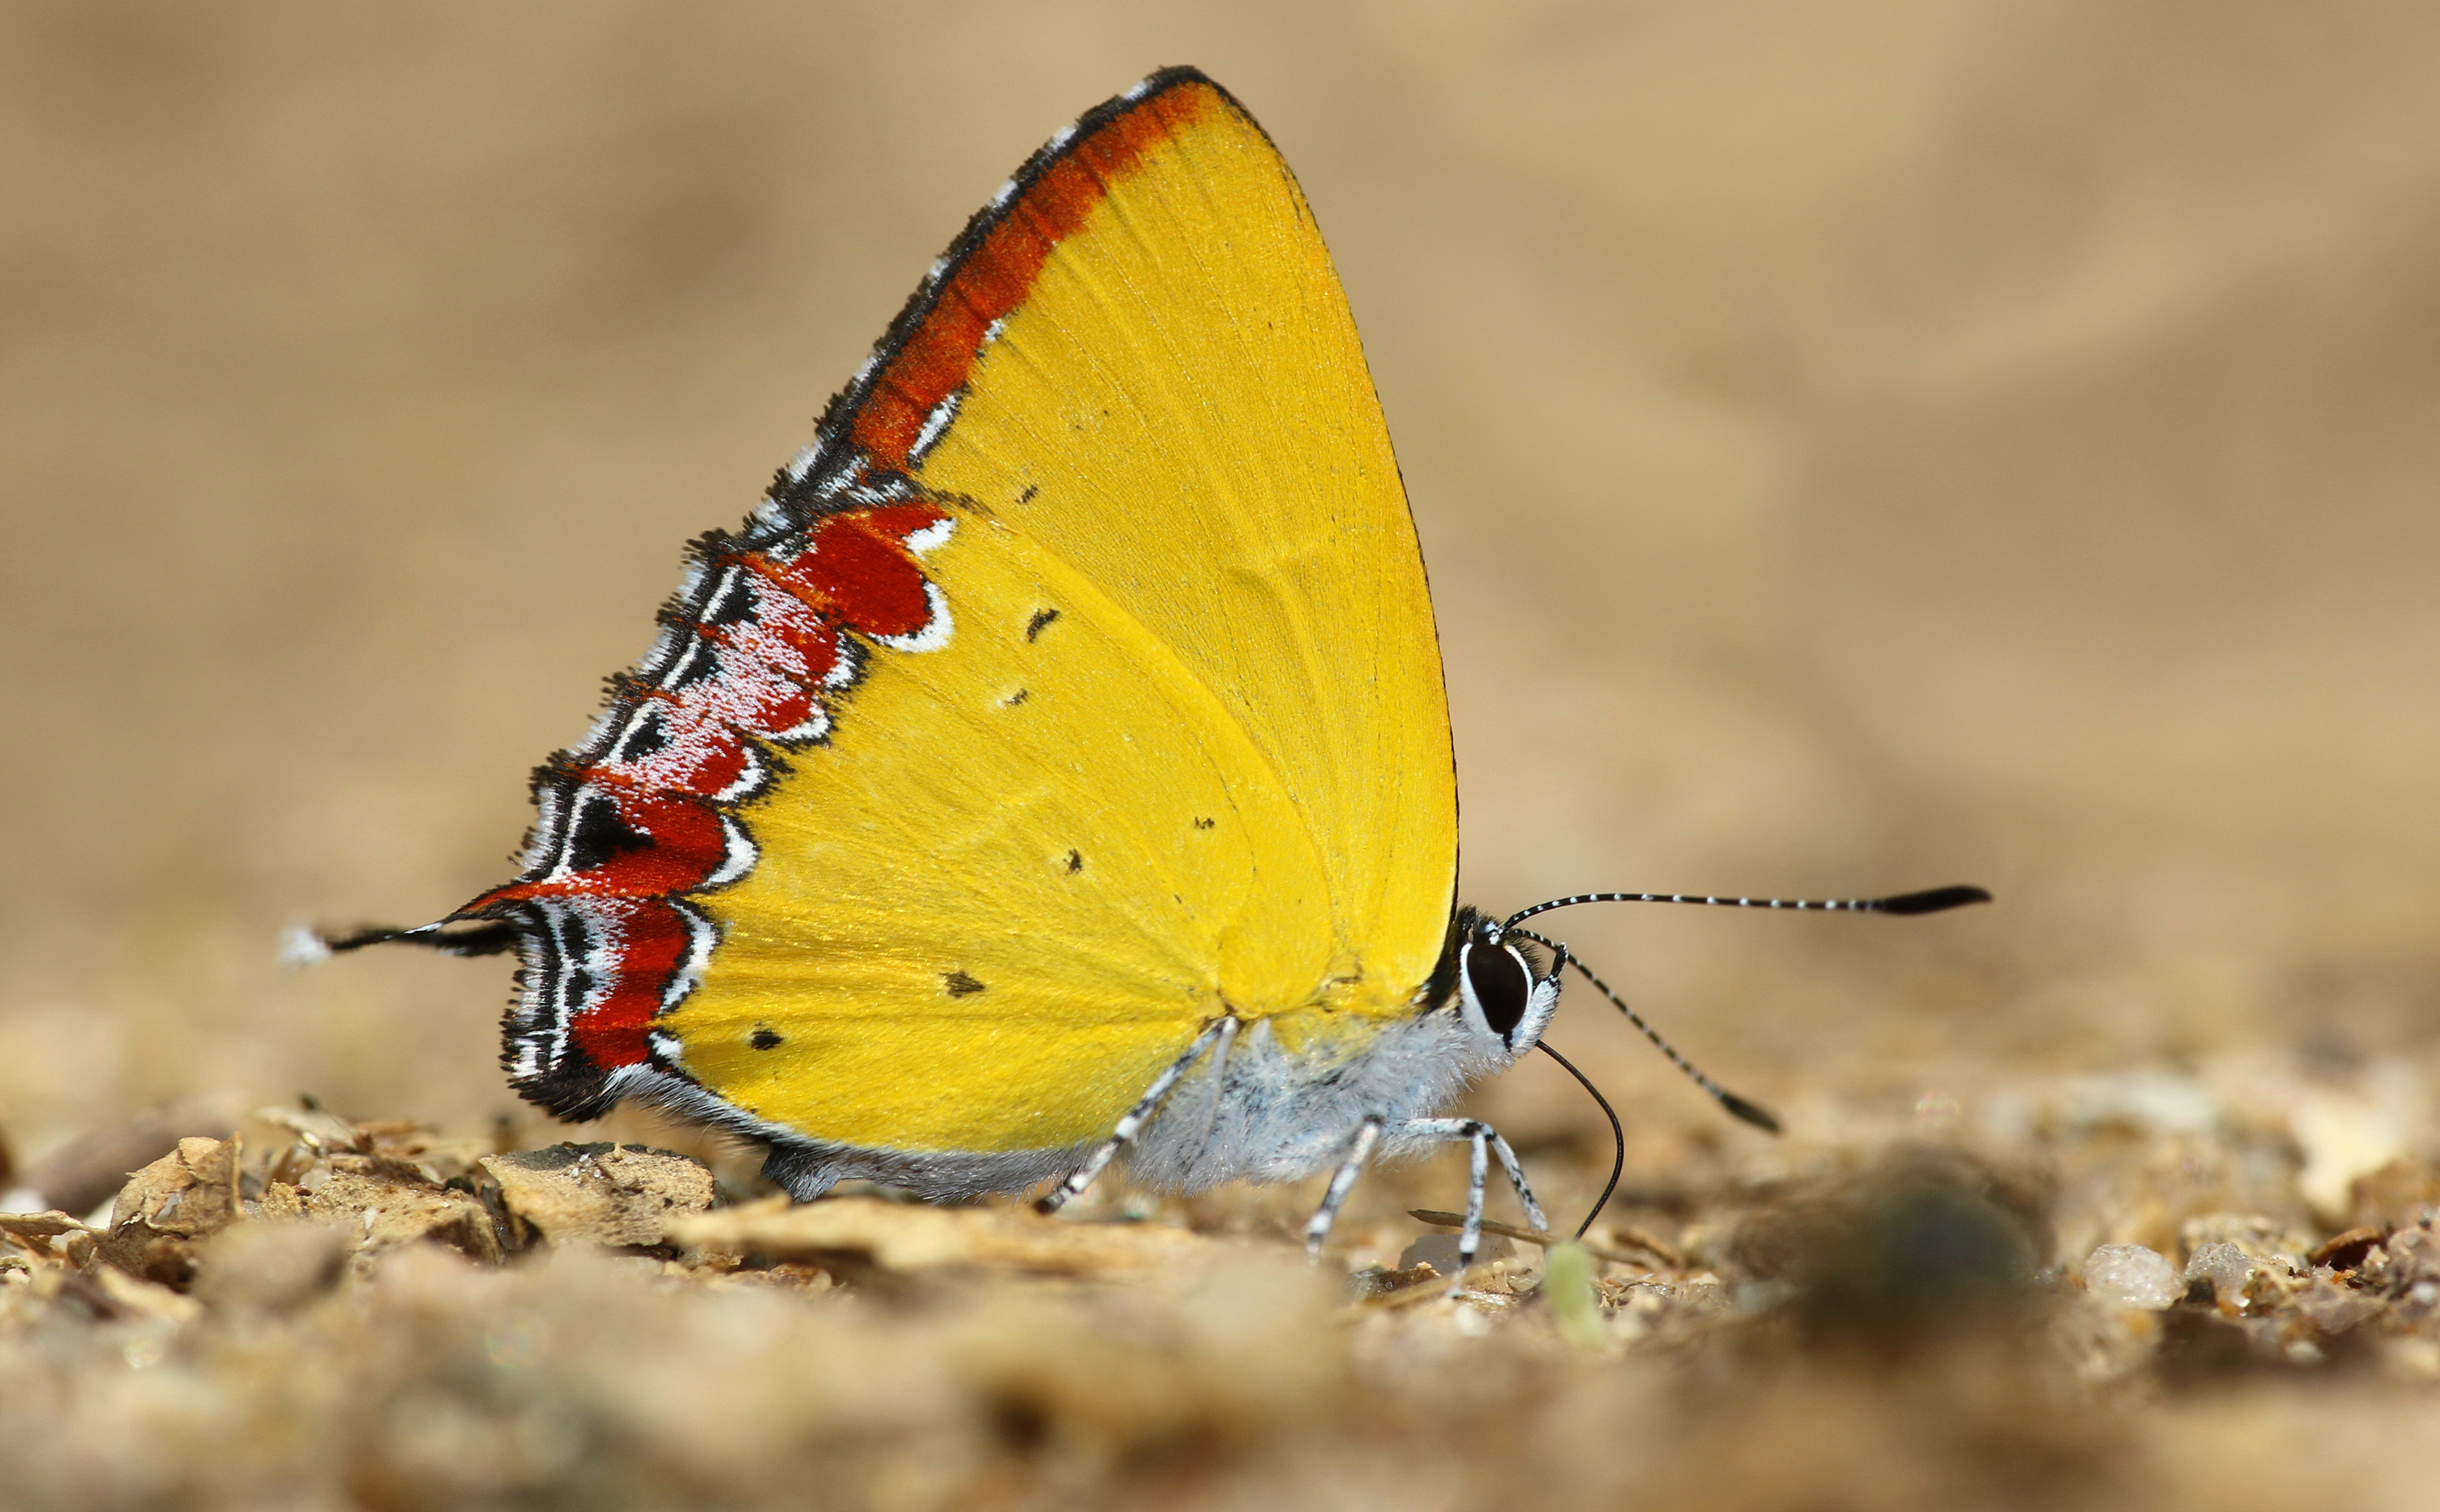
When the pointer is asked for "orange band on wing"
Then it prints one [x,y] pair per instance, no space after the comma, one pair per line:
[995,278]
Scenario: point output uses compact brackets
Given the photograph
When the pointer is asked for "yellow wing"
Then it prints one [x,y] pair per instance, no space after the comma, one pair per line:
[1174,740]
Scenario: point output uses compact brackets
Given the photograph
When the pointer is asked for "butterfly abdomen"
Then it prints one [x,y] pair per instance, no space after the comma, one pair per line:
[1282,1115]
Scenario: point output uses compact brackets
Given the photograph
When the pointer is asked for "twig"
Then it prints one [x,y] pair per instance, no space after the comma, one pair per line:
[1650,1246]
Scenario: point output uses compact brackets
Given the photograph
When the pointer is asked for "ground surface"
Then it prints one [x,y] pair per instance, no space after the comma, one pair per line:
[1855,448]
[316,1314]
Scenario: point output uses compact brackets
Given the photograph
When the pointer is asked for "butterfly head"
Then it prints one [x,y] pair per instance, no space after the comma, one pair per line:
[1499,993]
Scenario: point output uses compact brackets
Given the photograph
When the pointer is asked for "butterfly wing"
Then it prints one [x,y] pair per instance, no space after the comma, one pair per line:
[1181,404]
[1077,686]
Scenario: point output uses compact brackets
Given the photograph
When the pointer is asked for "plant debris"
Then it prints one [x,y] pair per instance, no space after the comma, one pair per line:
[373,1314]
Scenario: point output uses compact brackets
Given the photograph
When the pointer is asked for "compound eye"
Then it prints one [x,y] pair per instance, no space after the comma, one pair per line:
[1500,982]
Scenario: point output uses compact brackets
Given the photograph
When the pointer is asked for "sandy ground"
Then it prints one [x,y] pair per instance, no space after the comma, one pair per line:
[1856,447]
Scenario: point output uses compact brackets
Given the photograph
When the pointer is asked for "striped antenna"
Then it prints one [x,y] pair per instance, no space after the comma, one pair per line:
[1931,901]
[1751,1113]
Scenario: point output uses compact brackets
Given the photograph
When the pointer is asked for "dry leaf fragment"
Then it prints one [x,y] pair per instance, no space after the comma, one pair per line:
[385,1202]
[53,1236]
[41,1225]
[167,1209]
[2348,1251]
[613,1195]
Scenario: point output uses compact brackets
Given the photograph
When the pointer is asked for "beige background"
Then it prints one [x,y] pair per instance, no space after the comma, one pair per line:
[1855,446]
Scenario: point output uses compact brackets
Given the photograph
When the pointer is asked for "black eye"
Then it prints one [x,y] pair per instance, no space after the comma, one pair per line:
[1500,984]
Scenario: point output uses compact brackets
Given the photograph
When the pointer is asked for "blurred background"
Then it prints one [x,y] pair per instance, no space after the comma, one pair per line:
[1855,447]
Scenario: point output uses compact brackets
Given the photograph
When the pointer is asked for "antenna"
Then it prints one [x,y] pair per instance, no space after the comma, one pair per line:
[1751,1113]
[1931,901]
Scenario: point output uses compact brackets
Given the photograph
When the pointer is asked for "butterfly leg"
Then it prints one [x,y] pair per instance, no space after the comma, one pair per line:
[1218,1079]
[1132,1124]
[1317,1229]
[1486,1142]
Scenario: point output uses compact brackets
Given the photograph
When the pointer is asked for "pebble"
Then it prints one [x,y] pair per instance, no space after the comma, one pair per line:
[2130,1275]
[2226,1267]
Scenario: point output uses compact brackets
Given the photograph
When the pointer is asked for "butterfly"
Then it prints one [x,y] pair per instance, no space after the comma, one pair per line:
[1057,763]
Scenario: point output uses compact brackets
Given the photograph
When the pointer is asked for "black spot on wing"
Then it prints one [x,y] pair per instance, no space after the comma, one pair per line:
[599,836]
[959,983]
[1014,699]
[1204,823]
[1041,618]
[766,1037]
[1075,862]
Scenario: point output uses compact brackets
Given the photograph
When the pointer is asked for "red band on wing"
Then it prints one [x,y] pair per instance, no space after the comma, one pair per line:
[856,566]
[995,278]
[686,742]
[643,816]
[650,938]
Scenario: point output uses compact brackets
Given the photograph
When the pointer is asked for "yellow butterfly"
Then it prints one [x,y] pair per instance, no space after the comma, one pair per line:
[1058,762]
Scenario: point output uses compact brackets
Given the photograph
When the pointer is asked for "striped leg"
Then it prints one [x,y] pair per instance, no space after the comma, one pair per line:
[1486,1142]
[1317,1229]
[1132,1125]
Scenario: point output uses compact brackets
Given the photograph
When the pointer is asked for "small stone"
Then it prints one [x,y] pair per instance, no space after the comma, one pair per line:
[2264,1240]
[2225,1268]
[2332,1307]
[1439,1251]
[2130,1275]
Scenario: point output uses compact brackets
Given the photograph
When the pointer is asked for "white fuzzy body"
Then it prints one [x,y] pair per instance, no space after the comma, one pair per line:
[1281,1116]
